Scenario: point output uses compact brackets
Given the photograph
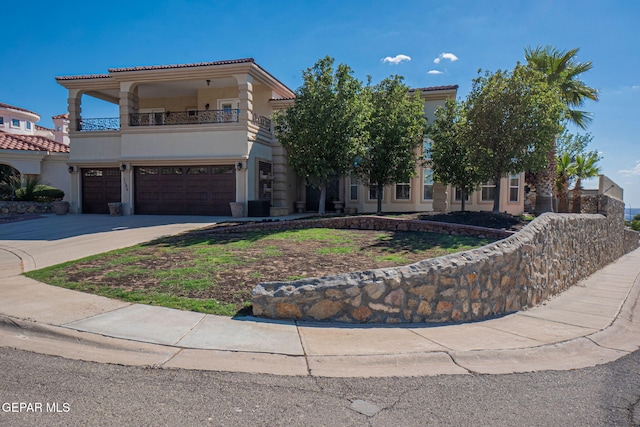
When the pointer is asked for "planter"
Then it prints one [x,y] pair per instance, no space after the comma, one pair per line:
[300,206]
[115,209]
[338,205]
[237,209]
[60,208]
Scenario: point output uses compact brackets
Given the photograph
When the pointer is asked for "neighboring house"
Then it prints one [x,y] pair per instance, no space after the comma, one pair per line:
[35,150]
[197,138]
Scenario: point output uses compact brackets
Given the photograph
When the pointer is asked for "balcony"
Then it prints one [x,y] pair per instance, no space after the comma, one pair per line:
[171,118]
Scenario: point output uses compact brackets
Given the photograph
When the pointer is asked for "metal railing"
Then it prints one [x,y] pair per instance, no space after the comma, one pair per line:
[91,125]
[190,117]
[262,121]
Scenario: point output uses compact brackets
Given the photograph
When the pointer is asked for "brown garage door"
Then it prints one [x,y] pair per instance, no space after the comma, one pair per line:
[99,187]
[184,190]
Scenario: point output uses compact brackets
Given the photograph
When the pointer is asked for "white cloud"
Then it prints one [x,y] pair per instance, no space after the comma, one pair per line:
[632,172]
[396,59]
[445,55]
[434,72]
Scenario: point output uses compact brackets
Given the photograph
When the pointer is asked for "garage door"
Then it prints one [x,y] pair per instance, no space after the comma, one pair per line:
[99,187]
[185,190]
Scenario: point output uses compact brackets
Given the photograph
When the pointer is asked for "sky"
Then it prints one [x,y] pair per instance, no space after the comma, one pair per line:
[428,42]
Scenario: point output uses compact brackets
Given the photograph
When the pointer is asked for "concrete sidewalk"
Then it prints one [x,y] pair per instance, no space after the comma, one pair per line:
[594,322]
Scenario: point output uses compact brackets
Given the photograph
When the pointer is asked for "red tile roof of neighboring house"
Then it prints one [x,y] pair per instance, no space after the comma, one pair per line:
[61,116]
[3,105]
[85,77]
[10,141]
[38,127]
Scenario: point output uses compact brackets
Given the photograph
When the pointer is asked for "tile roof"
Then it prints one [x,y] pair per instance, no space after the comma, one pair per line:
[61,116]
[196,64]
[85,77]
[434,88]
[10,141]
[3,105]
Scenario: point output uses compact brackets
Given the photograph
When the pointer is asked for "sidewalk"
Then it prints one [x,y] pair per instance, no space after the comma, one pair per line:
[594,322]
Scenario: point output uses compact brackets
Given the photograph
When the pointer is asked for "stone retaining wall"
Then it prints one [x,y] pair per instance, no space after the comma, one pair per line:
[10,208]
[549,255]
[369,223]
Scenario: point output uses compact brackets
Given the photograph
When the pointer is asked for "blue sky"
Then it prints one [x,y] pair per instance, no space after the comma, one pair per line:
[49,39]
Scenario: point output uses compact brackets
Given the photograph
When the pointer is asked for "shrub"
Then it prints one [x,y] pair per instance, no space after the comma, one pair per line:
[635,224]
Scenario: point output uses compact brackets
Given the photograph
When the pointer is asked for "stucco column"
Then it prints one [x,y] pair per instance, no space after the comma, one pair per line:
[279,160]
[75,108]
[128,102]
[440,197]
[245,96]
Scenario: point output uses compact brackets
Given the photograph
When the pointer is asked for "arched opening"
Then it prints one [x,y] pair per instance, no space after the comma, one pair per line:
[10,181]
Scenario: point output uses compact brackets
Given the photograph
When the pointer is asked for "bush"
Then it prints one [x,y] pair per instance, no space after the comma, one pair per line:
[636,218]
[635,224]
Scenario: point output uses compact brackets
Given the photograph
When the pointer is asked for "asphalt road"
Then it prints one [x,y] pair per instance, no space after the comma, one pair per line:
[74,393]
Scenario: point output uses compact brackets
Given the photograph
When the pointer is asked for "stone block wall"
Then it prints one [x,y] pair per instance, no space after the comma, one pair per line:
[552,253]
[11,208]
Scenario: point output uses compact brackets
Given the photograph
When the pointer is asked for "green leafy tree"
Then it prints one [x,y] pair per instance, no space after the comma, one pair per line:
[324,130]
[585,167]
[396,129]
[512,116]
[451,154]
[562,72]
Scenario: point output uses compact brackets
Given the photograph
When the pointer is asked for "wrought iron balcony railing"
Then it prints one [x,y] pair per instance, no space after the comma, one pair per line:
[171,118]
[91,125]
[190,117]
[262,121]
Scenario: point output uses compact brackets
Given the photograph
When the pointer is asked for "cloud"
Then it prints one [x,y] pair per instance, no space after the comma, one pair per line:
[396,59]
[434,72]
[631,172]
[445,55]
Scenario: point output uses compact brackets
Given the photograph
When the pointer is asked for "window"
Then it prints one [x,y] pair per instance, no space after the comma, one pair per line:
[427,184]
[458,195]
[403,191]
[353,188]
[514,188]
[28,125]
[426,146]
[488,192]
[15,123]
[1,120]
[373,193]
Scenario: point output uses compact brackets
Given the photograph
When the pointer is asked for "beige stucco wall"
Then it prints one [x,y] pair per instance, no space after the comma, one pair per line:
[95,147]
[55,172]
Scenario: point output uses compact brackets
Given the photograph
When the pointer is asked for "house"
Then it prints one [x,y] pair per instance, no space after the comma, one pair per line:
[32,149]
[197,139]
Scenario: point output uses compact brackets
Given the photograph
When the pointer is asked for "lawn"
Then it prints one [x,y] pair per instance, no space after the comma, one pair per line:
[215,273]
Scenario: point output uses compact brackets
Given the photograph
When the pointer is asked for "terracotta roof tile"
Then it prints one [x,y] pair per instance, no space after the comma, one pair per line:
[30,143]
[61,116]
[85,77]
[3,105]
[197,64]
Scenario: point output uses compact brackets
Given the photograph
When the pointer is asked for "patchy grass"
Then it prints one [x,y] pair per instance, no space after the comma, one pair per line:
[215,273]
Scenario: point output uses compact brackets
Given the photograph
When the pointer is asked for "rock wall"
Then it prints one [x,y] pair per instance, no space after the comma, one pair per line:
[552,253]
[10,208]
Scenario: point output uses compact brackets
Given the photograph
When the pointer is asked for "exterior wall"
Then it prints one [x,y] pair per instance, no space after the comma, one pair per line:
[476,204]
[551,254]
[93,147]
[55,172]
[181,103]
[23,116]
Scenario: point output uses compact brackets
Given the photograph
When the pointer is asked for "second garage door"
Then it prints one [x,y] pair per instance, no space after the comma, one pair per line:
[184,190]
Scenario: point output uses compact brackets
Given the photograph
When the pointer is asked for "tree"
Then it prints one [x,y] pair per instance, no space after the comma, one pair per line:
[395,130]
[562,72]
[565,172]
[512,118]
[451,152]
[585,167]
[324,130]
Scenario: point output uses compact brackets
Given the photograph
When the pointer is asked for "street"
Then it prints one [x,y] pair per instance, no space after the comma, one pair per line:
[43,390]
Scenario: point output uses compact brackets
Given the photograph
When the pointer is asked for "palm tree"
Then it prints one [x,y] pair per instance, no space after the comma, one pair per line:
[562,72]
[585,167]
[565,172]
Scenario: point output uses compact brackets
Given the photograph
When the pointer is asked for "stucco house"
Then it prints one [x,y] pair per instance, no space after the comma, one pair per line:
[32,149]
[197,139]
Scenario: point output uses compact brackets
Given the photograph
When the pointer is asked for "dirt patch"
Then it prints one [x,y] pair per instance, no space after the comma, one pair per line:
[226,267]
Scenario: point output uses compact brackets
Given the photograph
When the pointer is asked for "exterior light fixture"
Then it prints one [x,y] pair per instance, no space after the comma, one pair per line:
[239,166]
[123,167]
[70,169]
[208,82]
